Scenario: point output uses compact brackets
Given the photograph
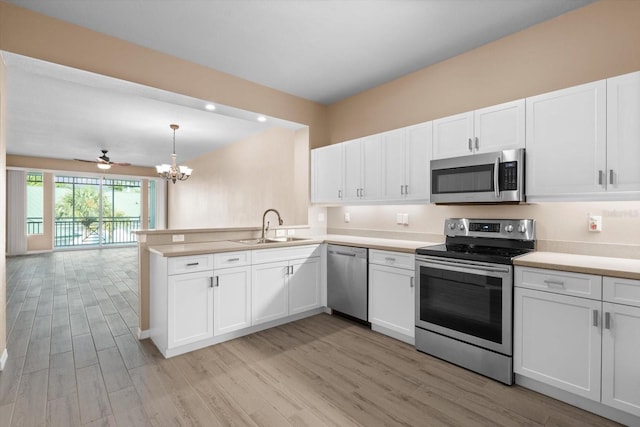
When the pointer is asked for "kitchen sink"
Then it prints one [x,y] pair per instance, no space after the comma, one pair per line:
[258,241]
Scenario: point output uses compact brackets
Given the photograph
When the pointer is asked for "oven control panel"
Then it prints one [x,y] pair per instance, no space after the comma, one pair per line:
[517,229]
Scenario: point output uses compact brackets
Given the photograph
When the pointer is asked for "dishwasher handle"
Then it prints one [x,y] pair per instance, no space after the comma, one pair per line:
[344,253]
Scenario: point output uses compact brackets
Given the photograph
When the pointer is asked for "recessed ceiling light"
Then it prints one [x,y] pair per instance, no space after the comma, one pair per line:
[262,119]
[210,107]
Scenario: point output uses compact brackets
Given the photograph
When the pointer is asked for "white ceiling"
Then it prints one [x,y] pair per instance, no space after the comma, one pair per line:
[322,50]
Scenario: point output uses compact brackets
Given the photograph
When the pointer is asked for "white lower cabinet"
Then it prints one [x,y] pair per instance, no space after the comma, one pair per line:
[286,283]
[584,345]
[190,308]
[392,294]
[557,342]
[231,299]
[269,291]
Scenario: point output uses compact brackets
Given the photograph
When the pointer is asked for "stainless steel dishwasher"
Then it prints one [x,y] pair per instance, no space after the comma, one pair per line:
[347,286]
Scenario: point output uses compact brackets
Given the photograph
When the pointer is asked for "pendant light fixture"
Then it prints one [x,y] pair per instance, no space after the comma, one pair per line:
[172,172]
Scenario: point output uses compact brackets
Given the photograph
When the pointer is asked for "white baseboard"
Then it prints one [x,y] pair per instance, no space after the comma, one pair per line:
[143,335]
[3,359]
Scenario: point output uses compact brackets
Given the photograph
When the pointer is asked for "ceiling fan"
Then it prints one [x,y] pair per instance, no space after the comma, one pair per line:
[104,162]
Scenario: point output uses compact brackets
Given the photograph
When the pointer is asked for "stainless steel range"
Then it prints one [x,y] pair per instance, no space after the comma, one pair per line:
[464,298]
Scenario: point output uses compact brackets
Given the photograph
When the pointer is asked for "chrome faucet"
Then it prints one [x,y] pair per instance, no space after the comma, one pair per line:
[264,216]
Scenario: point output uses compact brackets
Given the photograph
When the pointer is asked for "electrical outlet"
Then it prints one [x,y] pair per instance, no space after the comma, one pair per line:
[280,232]
[291,232]
[405,219]
[595,223]
[177,238]
[347,217]
[399,218]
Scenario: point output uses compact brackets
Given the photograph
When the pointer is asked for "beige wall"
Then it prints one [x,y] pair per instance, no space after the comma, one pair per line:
[597,41]
[594,42]
[3,211]
[234,185]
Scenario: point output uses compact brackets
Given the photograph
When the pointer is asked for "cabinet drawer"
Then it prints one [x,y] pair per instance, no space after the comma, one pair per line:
[262,256]
[189,264]
[559,282]
[392,259]
[231,259]
[621,291]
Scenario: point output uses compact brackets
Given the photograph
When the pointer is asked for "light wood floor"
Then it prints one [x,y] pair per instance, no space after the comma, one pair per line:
[74,360]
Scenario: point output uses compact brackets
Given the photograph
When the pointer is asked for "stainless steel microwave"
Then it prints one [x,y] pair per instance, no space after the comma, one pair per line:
[481,178]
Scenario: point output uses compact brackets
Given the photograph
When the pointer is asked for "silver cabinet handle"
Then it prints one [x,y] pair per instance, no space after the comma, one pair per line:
[362,192]
[554,282]
[401,189]
[233,260]
[192,264]
[389,259]
[339,194]
[406,189]
[286,270]
[611,176]
[411,284]
[600,177]
[470,146]
[607,320]
[345,253]
[596,315]
[217,280]
[357,192]
[291,267]
[477,143]
[211,282]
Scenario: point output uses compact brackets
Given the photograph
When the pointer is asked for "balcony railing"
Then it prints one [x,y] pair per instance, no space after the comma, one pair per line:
[34,225]
[81,231]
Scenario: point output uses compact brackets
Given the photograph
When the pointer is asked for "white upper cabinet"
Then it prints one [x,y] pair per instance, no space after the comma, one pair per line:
[327,174]
[496,128]
[405,163]
[623,134]
[566,142]
[362,169]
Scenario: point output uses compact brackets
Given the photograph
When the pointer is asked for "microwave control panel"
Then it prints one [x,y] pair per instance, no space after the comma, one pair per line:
[508,176]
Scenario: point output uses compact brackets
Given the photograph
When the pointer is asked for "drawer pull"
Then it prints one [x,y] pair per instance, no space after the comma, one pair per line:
[192,264]
[411,282]
[233,259]
[554,283]
[596,316]
[607,320]
[389,259]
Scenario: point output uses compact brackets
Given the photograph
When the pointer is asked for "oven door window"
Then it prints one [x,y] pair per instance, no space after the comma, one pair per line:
[469,179]
[464,302]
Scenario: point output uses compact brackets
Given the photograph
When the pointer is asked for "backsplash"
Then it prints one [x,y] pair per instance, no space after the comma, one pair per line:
[560,227]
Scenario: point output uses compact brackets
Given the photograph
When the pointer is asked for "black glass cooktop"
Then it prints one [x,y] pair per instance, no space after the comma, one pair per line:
[498,255]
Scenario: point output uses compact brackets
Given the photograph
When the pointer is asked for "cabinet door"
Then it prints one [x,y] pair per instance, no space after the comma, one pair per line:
[232,300]
[620,356]
[453,136]
[499,127]
[269,295]
[327,173]
[417,157]
[371,176]
[623,133]
[190,308]
[352,170]
[557,340]
[392,299]
[566,142]
[393,161]
[304,285]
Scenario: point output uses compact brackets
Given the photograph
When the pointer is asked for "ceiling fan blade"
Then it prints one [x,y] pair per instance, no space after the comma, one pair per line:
[120,164]
[87,161]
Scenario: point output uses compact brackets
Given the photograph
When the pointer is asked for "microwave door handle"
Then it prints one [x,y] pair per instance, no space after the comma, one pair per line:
[496,178]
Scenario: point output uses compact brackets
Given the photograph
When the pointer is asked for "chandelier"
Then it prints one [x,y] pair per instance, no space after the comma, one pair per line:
[172,172]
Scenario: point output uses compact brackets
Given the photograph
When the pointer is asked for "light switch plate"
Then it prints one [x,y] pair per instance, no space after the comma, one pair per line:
[347,217]
[399,218]
[291,232]
[281,232]
[177,238]
[405,219]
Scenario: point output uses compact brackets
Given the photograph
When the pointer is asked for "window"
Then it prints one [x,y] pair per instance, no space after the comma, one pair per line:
[35,201]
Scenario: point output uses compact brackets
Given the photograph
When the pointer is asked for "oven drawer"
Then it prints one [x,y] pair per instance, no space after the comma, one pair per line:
[559,282]
[392,259]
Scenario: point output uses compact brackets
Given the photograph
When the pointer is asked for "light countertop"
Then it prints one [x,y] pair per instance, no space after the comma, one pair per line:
[603,266]
[186,249]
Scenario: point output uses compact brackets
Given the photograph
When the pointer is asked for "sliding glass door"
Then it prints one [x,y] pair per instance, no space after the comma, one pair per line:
[92,211]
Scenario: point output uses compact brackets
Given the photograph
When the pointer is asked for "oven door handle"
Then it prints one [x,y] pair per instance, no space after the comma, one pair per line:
[468,265]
